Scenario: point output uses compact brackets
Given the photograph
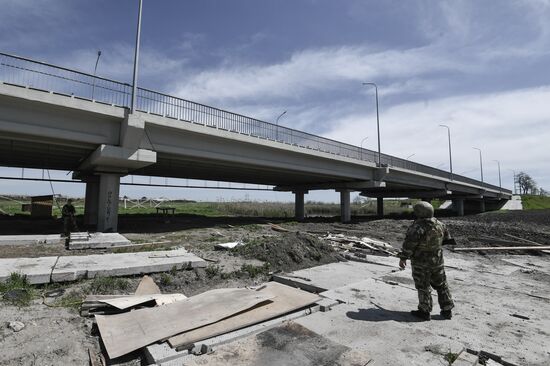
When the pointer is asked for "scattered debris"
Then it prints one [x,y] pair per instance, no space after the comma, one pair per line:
[484,355]
[230,245]
[361,246]
[278,228]
[520,316]
[147,286]
[502,248]
[16,326]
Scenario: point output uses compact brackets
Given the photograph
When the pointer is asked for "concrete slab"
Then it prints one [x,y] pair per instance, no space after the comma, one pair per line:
[72,268]
[513,204]
[97,240]
[31,239]
[37,270]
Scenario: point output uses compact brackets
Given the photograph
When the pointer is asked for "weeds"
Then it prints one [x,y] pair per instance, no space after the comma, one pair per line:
[166,279]
[450,357]
[212,271]
[108,285]
[17,290]
[71,300]
[254,271]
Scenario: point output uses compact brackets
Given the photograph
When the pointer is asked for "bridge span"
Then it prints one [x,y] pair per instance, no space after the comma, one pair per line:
[56,118]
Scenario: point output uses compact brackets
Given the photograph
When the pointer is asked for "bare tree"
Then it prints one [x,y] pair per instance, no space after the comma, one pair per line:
[527,185]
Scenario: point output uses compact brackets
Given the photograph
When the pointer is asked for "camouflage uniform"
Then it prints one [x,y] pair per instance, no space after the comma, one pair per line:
[69,223]
[422,246]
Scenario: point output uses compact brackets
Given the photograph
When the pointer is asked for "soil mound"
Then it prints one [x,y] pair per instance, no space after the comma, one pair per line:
[289,251]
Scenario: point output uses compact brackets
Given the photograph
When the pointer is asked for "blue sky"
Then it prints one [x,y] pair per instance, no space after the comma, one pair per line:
[480,67]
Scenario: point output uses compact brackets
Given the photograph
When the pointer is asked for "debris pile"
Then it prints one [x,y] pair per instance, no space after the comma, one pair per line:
[211,313]
[289,251]
[355,248]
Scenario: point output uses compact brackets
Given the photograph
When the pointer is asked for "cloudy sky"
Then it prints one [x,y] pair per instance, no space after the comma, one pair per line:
[479,66]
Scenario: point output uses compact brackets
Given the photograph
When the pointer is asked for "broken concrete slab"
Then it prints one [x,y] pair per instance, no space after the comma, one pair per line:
[37,270]
[147,286]
[72,268]
[31,239]
[97,240]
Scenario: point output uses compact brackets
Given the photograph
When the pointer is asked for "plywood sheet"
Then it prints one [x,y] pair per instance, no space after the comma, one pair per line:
[285,299]
[128,302]
[147,287]
[124,333]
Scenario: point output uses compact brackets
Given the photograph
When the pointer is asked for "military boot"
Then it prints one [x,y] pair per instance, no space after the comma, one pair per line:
[447,314]
[421,315]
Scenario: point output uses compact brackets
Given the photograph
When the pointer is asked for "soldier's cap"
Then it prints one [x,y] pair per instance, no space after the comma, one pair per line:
[423,210]
[70,200]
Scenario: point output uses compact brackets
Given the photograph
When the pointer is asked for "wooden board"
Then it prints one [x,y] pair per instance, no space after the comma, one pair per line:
[502,248]
[124,333]
[285,299]
[147,287]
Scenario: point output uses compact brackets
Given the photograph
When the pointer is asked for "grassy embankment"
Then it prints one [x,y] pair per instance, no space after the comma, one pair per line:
[531,202]
[248,208]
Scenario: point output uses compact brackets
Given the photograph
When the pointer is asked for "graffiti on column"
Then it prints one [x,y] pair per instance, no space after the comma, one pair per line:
[108,208]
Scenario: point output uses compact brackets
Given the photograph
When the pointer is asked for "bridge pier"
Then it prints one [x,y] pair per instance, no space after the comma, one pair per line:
[299,207]
[380,206]
[345,206]
[458,206]
[481,208]
[101,202]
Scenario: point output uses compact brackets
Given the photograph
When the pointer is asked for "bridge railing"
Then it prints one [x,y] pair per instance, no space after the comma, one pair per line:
[50,78]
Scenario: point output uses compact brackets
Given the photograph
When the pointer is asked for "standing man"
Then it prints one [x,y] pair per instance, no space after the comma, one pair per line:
[422,246]
[69,223]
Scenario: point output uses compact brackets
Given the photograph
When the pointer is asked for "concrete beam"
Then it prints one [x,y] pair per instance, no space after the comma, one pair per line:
[108,158]
[354,186]
[132,130]
[418,193]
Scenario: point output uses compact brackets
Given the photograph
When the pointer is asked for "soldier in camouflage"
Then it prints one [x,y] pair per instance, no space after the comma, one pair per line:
[422,246]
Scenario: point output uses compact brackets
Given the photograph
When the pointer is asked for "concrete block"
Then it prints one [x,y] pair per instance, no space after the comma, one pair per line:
[327,304]
[37,270]
[132,130]
[97,241]
[72,268]
[31,239]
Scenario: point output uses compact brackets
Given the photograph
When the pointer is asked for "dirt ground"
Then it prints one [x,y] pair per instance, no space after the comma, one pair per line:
[59,336]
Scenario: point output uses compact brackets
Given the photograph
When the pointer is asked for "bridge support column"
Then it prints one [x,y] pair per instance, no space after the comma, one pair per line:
[458,206]
[481,206]
[91,202]
[107,213]
[380,206]
[345,206]
[299,207]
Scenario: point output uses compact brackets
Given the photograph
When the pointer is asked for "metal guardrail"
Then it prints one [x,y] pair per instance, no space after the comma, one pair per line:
[47,77]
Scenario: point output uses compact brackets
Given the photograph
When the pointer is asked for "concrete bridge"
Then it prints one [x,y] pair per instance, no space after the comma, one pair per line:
[56,118]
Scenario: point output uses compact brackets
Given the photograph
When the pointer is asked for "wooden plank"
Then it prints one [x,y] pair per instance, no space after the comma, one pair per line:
[147,287]
[502,248]
[285,300]
[124,333]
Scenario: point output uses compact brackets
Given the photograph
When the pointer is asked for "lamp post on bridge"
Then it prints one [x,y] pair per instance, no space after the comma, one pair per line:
[480,163]
[499,180]
[277,126]
[514,176]
[450,154]
[136,61]
[363,140]
[95,71]
[410,156]
[377,121]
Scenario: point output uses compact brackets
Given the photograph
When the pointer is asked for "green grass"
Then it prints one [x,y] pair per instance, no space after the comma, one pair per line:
[18,282]
[71,300]
[531,202]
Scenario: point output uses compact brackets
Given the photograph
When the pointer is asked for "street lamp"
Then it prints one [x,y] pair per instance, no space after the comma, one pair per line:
[136,61]
[480,163]
[410,156]
[450,155]
[95,71]
[514,172]
[377,121]
[277,128]
[499,180]
[363,140]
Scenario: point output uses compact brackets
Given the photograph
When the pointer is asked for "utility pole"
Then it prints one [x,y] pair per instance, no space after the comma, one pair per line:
[136,61]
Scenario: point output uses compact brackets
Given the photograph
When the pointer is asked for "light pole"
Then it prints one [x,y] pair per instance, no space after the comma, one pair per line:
[136,61]
[514,172]
[450,154]
[377,121]
[363,140]
[499,180]
[480,163]
[277,126]
[95,71]
[410,156]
